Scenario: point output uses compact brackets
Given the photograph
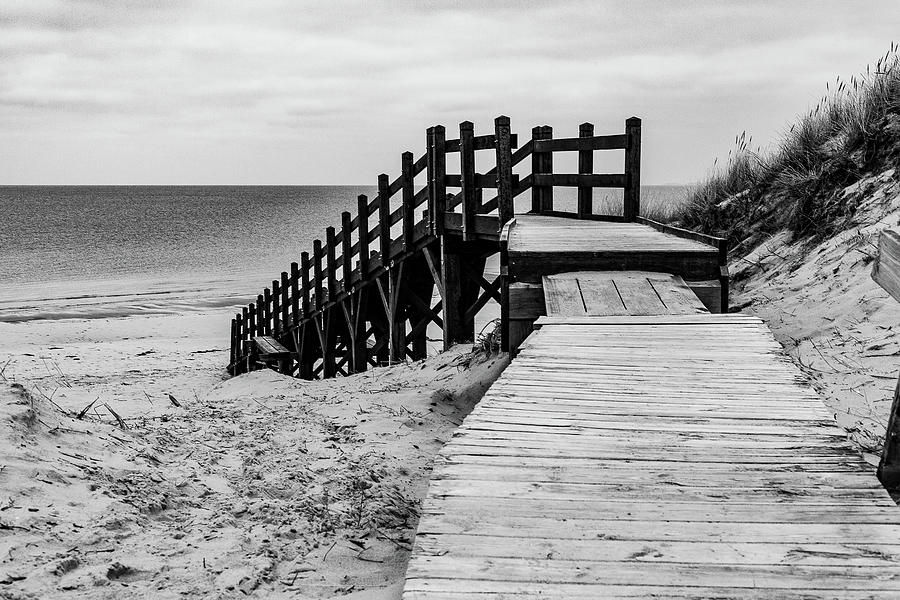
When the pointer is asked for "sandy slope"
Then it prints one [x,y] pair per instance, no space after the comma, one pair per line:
[837,324]
[272,487]
[260,485]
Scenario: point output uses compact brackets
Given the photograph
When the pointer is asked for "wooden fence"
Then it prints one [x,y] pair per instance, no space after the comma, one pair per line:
[363,296]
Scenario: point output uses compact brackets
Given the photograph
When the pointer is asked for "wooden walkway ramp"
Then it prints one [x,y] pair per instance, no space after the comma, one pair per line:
[669,456]
[610,293]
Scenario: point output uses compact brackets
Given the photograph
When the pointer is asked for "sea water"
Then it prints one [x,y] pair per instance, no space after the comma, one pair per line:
[95,251]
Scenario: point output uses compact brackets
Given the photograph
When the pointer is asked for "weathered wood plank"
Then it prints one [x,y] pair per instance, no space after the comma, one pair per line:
[632,182]
[504,144]
[791,576]
[585,167]
[582,143]
[772,553]
[886,273]
[607,293]
[886,268]
[470,199]
[609,180]
[454,589]
[682,454]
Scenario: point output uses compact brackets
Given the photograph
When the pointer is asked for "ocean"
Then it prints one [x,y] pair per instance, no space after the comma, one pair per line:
[98,251]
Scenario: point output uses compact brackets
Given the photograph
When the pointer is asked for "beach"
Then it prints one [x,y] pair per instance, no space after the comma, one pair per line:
[175,481]
[138,468]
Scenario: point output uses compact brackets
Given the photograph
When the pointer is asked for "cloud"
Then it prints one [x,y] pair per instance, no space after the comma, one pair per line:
[326,79]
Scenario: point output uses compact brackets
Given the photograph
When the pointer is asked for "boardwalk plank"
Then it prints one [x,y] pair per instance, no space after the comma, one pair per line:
[711,553]
[678,456]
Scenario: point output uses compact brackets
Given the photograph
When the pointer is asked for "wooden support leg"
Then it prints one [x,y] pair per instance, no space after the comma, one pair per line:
[247,360]
[418,288]
[889,466]
[398,335]
[461,274]
[380,328]
[329,343]
[305,345]
[452,284]
[397,304]
[355,311]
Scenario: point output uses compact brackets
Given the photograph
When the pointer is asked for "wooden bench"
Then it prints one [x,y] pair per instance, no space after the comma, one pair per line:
[269,352]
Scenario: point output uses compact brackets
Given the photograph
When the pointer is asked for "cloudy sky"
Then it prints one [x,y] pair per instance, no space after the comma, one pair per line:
[332,91]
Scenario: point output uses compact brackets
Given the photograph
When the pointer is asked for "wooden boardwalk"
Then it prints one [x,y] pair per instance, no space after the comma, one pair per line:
[607,268]
[669,456]
[605,293]
[543,245]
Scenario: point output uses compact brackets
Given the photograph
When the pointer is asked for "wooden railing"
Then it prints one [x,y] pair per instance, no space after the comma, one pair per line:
[318,309]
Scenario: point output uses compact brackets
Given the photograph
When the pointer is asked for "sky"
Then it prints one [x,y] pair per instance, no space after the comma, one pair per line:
[331,92]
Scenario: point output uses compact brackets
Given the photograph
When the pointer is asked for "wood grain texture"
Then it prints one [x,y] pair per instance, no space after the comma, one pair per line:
[653,456]
[542,245]
[603,293]
[269,346]
[886,269]
[886,273]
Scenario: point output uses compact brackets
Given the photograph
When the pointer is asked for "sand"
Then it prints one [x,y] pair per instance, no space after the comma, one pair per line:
[836,323]
[266,486]
[261,485]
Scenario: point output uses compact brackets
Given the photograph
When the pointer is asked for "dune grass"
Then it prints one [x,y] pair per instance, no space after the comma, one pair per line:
[852,131]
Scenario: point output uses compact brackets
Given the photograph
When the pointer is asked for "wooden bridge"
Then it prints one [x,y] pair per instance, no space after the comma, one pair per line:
[366,294]
[641,444]
[665,456]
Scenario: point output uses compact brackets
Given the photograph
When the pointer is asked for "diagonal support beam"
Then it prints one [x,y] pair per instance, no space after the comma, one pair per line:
[491,291]
[430,313]
[434,269]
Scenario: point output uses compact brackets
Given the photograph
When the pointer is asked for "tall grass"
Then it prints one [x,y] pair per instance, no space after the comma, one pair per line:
[852,131]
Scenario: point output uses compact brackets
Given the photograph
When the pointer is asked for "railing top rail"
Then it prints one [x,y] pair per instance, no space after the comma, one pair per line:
[598,142]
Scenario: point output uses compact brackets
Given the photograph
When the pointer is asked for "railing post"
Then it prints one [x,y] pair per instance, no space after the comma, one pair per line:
[276,308]
[304,283]
[632,206]
[320,281]
[467,178]
[408,192]
[255,324]
[362,203]
[346,249]
[429,177]
[244,336]
[585,167]
[437,186]
[504,169]
[318,277]
[295,294]
[231,360]
[541,163]
[331,262]
[285,304]
[384,218]
[260,315]
[252,327]
[270,314]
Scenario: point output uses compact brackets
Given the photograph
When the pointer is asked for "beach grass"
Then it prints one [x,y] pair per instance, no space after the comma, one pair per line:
[853,130]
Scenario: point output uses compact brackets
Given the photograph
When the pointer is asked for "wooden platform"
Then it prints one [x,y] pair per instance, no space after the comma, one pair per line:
[607,293]
[541,245]
[674,456]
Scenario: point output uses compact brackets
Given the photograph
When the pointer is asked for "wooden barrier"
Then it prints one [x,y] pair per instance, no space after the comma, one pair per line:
[364,296]
[886,273]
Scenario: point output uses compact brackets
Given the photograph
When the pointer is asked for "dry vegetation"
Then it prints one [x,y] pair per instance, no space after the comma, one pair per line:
[853,131]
